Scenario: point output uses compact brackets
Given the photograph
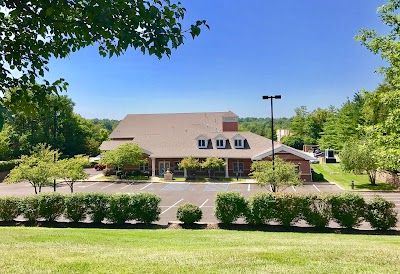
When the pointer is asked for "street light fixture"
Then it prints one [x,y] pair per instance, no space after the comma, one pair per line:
[266,97]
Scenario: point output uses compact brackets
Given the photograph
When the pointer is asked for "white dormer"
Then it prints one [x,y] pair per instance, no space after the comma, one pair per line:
[202,141]
[238,141]
[220,141]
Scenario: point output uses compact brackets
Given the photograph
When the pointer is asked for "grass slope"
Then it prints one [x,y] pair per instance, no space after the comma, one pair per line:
[333,173]
[49,250]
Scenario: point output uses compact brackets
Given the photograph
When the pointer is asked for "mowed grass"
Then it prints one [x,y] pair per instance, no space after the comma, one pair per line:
[51,250]
[333,173]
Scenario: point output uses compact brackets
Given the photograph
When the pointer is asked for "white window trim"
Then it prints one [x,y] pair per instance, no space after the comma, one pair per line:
[241,141]
[223,143]
[201,146]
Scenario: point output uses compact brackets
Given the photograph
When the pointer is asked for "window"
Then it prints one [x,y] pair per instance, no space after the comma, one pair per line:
[297,169]
[238,167]
[220,143]
[239,143]
[201,143]
[176,165]
[144,167]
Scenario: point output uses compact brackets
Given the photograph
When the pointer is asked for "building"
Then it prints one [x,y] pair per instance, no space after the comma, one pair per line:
[280,133]
[168,138]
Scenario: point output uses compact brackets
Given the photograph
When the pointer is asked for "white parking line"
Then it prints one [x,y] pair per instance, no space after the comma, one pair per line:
[171,206]
[204,203]
[294,189]
[146,186]
[90,185]
[248,187]
[108,185]
[338,186]
[126,186]
[316,188]
[270,187]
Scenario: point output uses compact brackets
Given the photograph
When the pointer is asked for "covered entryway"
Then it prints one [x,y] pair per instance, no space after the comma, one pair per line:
[163,167]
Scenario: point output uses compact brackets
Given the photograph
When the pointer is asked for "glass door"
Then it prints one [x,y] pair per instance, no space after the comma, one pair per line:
[163,167]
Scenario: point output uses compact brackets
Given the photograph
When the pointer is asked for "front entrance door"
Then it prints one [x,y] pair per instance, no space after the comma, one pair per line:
[163,166]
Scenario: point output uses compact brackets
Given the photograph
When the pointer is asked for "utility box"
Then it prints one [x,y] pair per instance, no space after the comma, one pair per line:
[330,156]
[168,176]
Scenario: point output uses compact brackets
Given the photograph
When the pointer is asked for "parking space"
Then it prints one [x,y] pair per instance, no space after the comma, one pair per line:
[175,194]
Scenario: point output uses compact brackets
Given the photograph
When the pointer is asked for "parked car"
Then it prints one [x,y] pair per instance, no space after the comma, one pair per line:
[97,158]
[319,154]
[314,161]
[99,167]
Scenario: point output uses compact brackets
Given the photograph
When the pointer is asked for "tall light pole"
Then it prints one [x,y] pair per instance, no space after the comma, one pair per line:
[266,97]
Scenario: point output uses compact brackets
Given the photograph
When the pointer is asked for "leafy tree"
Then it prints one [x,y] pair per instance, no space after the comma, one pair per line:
[293,141]
[360,156]
[124,155]
[298,123]
[71,170]
[33,32]
[281,174]
[108,124]
[38,168]
[213,163]
[189,163]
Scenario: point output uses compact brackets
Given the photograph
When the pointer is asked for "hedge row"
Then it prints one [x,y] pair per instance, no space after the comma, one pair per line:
[117,208]
[348,209]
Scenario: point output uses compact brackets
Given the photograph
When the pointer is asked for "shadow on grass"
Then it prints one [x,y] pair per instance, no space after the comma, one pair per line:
[200,226]
[318,177]
[378,186]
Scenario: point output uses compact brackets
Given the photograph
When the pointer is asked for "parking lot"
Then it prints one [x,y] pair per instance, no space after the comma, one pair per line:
[175,194]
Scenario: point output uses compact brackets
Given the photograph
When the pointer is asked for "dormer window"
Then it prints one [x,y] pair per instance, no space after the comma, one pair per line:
[239,143]
[201,143]
[220,143]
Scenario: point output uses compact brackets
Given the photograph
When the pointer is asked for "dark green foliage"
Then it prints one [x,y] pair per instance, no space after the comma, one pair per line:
[108,124]
[288,208]
[381,214]
[120,208]
[189,213]
[229,206]
[30,207]
[97,205]
[9,208]
[347,209]
[316,210]
[51,205]
[293,141]
[262,126]
[261,208]
[8,165]
[145,207]
[76,206]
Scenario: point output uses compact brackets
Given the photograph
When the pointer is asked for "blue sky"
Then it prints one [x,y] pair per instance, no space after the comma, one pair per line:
[303,50]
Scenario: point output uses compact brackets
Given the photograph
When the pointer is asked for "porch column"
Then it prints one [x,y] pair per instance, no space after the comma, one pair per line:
[226,168]
[153,167]
[185,173]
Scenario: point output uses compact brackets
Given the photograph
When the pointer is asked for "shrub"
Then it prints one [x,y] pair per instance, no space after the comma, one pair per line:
[229,206]
[347,209]
[106,172]
[145,207]
[261,208]
[51,205]
[381,214]
[189,213]
[30,207]
[317,210]
[8,165]
[98,205]
[120,208]
[288,208]
[75,206]
[9,208]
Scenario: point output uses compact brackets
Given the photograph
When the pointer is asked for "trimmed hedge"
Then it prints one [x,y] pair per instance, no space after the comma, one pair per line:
[98,205]
[189,213]
[261,208]
[30,207]
[120,208]
[348,209]
[10,208]
[229,206]
[76,207]
[288,208]
[145,207]
[8,165]
[317,210]
[51,205]
[381,214]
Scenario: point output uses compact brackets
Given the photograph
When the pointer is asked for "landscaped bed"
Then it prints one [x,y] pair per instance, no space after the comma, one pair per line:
[51,250]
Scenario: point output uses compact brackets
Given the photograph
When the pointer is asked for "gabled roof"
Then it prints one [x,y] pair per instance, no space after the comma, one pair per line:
[282,148]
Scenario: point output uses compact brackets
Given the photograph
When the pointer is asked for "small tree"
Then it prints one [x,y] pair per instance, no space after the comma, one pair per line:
[283,174]
[190,163]
[37,169]
[360,156]
[71,170]
[122,156]
[213,163]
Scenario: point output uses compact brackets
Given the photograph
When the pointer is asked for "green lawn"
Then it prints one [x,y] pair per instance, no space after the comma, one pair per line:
[333,173]
[50,250]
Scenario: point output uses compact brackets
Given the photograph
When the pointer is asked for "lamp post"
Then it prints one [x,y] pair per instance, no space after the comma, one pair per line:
[55,139]
[266,97]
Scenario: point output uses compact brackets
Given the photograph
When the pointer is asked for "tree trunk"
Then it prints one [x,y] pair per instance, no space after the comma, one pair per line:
[72,187]
[40,188]
[372,177]
[34,186]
